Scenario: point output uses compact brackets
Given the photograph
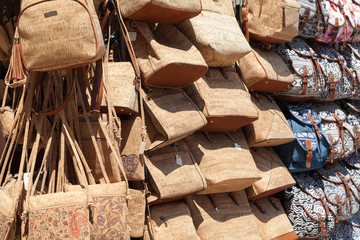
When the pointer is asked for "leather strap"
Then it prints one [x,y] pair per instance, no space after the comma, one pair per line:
[63,105]
[335,32]
[309,153]
[305,81]
[332,86]
[332,149]
[304,19]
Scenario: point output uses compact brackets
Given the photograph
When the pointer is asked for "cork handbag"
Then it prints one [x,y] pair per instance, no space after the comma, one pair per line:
[60,26]
[274,175]
[271,219]
[271,128]
[204,30]
[219,94]
[223,216]
[172,116]
[160,11]
[264,71]
[224,160]
[273,21]
[170,220]
[174,172]
[164,62]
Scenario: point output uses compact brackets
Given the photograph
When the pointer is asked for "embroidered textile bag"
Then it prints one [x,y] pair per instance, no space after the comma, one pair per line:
[174,173]
[60,26]
[224,160]
[351,53]
[273,21]
[301,60]
[160,11]
[219,94]
[274,175]
[340,190]
[271,128]
[340,134]
[173,116]
[218,50]
[163,61]
[271,219]
[311,147]
[306,207]
[223,216]
[349,229]
[340,24]
[171,220]
[340,81]
[264,71]
[313,18]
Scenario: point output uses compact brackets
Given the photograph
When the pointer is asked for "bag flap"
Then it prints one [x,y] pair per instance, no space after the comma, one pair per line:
[328,110]
[301,47]
[301,112]
[354,105]
[332,173]
[303,137]
[355,48]
[329,53]
[310,183]
[337,19]
[353,161]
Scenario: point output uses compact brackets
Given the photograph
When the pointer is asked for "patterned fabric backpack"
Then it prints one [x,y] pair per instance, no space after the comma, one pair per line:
[303,64]
[341,23]
[340,190]
[311,147]
[339,78]
[352,122]
[347,230]
[313,17]
[351,54]
[340,134]
[306,207]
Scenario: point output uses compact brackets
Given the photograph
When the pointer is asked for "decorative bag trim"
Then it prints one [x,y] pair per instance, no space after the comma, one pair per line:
[302,111]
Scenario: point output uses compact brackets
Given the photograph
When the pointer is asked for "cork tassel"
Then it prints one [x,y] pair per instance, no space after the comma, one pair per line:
[16,75]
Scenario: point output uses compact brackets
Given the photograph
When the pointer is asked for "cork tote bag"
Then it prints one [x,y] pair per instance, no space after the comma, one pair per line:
[225,216]
[275,177]
[171,221]
[273,21]
[174,173]
[264,71]
[219,94]
[216,33]
[160,11]
[224,160]
[112,167]
[273,224]
[136,209]
[71,208]
[166,57]
[272,128]
[132,161]
[173,116]
[59,34]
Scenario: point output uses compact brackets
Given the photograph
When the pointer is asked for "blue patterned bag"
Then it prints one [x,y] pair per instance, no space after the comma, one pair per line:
[311,147]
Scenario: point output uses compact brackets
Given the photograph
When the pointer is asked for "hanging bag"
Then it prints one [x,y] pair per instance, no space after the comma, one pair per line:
[164,62]
[224,160]
[160,11]
[274,175]
[174,172]
[311,147]
[219,95]
[271,128]
[218,50]
[223,216]
[60,25]
[263,70]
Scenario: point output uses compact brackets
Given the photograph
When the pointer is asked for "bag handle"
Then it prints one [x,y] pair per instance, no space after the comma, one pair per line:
[149,36]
